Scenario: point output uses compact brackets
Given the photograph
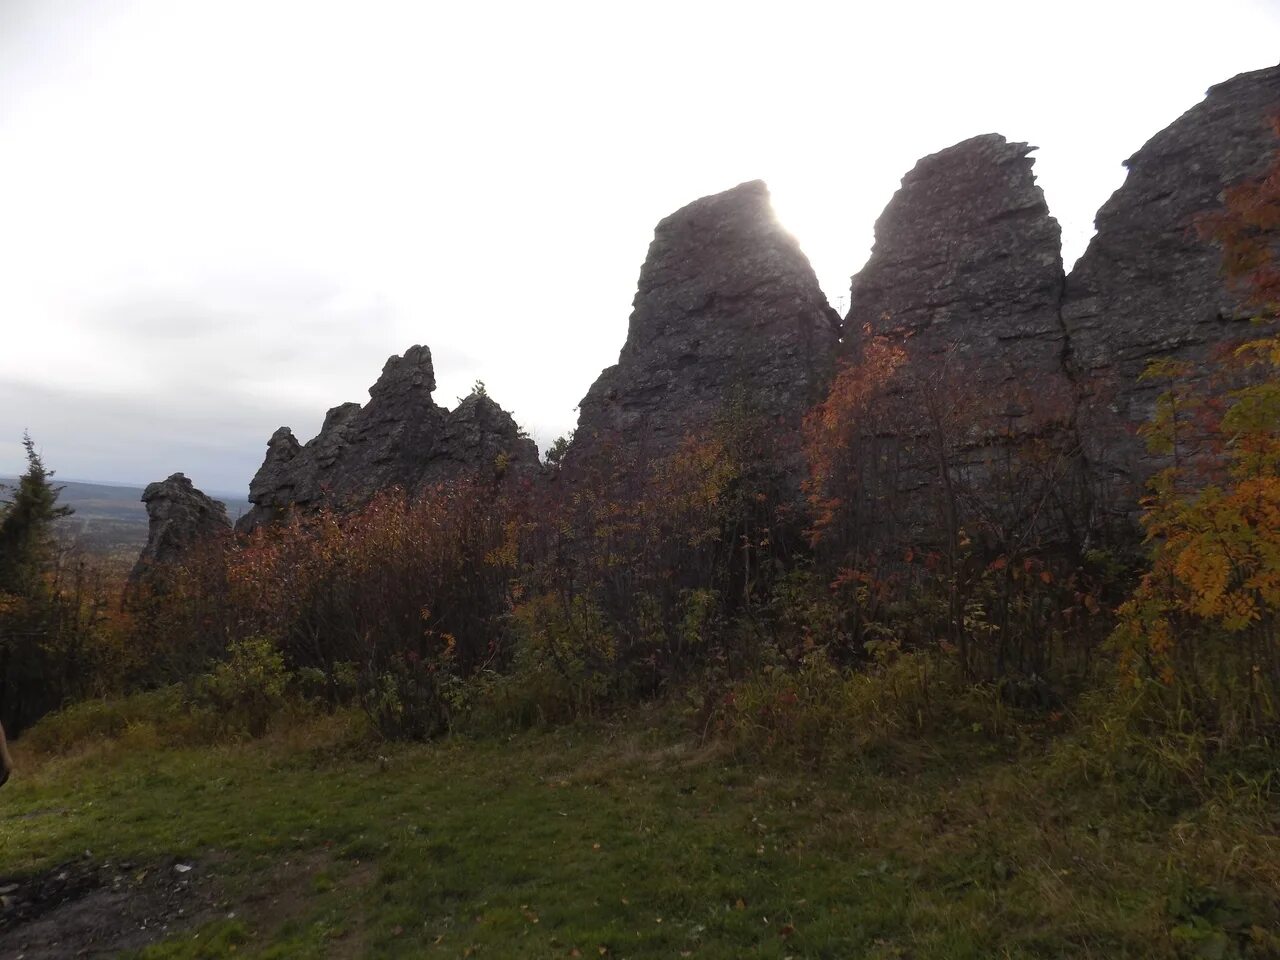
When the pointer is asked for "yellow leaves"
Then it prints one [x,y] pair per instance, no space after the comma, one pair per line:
[1265,350]
[1159,637]
[1216,562]
[1165,368]
[1207,573]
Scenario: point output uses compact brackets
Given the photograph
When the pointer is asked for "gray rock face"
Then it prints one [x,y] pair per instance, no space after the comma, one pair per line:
[479,433]
[1148,287]
[180,519]
[965,280]
[967,271]
[400,438]
[727,306]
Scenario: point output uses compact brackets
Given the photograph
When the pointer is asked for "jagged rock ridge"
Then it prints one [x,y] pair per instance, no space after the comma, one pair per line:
[400,438]
[1148,286]
[180,519]
[727,305]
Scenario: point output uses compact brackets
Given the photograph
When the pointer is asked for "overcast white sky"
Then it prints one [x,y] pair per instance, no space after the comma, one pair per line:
[220,217]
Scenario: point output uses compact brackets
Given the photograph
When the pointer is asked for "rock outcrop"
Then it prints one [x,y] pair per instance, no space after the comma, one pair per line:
[1033,375]
[966,278]
[966,273]
[400,438]
[727,306]
[478,434]
[1149,287]
[180,520]
[964,282]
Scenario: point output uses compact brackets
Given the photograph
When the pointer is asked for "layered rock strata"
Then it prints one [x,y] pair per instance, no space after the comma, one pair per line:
[966,274]
[966,279]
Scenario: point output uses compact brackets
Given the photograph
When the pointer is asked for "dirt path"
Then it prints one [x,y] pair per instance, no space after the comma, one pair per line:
[88,908]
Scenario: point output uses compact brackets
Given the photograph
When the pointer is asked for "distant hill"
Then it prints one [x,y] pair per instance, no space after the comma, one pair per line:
[110,520]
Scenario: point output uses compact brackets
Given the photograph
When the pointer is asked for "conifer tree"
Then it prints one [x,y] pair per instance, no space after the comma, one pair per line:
[26,525]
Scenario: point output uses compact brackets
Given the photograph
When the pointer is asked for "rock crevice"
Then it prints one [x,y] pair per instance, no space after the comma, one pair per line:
[966,277]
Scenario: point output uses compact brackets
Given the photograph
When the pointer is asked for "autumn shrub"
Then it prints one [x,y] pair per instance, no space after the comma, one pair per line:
[62,640]
[339,686]
[247,689]
[390,604]
[183,616]
[58,638]
[643,568]
[96,719]
[571,640]
[408,698]
[1198,643]
[1199,640]
[816,711]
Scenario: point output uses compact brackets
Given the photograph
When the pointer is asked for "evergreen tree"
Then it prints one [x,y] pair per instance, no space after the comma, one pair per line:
[26,526]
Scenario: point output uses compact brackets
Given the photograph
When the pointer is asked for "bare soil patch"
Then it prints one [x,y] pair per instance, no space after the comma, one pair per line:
[88,908]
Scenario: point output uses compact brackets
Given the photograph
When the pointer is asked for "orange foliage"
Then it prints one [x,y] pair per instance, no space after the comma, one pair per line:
[1205,621]
[840,438]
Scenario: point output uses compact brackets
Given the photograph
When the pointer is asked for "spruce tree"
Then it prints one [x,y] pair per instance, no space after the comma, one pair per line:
[26,526]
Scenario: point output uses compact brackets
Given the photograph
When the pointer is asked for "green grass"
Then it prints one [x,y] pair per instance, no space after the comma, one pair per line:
[632,840]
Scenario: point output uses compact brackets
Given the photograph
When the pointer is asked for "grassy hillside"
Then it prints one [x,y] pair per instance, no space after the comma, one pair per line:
[632,839]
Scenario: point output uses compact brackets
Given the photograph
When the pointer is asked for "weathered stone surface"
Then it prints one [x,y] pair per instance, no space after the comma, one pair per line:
[965,280]
[1148,287]
[400,438]
[727,305]
[478,432]
[966,271]
[180,519]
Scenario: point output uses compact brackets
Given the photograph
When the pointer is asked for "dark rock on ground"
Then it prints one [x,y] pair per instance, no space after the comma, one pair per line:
[1149,287]
[399,439]
[180,520]
[728,309]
